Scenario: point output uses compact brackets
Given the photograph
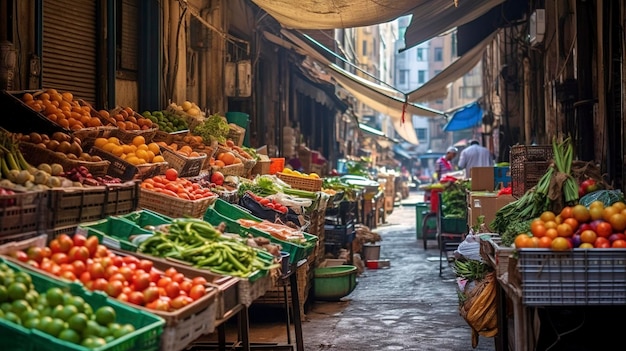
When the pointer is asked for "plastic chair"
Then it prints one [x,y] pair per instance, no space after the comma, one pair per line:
[448,240]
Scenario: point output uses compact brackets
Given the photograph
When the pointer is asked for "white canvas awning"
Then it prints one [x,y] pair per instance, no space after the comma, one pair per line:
[437,87]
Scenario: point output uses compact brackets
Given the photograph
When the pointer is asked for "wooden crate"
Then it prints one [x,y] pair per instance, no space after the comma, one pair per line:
[22,214]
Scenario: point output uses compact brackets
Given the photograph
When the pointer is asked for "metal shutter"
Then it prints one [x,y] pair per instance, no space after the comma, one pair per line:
[69,47]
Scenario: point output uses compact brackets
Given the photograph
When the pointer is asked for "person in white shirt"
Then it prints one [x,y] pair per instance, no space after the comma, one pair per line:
[475,155]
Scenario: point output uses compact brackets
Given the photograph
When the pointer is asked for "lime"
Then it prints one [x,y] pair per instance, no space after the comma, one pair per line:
[105,315]
[54,296]
[87,310]
[77,301]
[1,313]
[6,307]
[44,322]
[125,330]
[92,329]
[32,323]
[70,335]
[30,314]
[109,338]
[93,342]
[4,294]
[17,291]
[55,327]
[20,306]
[12,317]
[5,267]
[23,277]
[56,311]
[2,277]
[67,312]
[78,322]
[32,296]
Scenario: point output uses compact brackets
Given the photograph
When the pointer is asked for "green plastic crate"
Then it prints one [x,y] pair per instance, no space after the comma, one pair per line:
[113,232]
[147,334]
[454,225]
[144,218]
[222,211]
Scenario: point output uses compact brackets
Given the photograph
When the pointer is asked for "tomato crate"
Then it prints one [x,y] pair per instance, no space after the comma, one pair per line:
[22,213]
[574,277]
[173,206]
[148,326]
[223,212]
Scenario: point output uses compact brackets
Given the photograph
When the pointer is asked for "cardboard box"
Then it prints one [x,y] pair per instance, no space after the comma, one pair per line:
[482,178]
[486,204]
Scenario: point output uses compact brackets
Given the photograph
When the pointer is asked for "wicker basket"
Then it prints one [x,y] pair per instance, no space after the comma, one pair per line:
[93,132]
[261,167]
[236,169]
[236,134]
[36,155]
[125,171]
[302,183]
[127,136]
[528,165]
[186,166]
[172,206]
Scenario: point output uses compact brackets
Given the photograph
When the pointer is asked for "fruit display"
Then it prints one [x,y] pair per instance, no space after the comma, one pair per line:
[57,312]
[184,150]
[597,226]
[63,109]
[64,145]
[172,185]
[124,277]
[82,175]
[189,108]
[137,153]
[167,121]
[125,118]
[299,174]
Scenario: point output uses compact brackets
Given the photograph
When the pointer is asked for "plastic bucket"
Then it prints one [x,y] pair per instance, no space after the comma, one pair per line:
[371,252]
[284,261]
[243,120]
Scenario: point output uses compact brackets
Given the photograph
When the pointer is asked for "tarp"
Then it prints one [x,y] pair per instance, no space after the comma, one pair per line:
[467,117]
[331,14]
[431,18]
[384,99]
[437,87]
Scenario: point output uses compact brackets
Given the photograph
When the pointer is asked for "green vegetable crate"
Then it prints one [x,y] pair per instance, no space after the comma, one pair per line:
[222,211]
[113,232]
[147,334]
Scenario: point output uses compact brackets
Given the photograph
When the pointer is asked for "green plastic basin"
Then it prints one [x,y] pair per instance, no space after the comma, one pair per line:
[333,283]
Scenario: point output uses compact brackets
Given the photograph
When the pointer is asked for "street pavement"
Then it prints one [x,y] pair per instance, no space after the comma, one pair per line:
[407,306]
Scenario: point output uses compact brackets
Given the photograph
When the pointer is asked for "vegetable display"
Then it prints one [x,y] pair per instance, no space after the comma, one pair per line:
[199,243]
[213,128]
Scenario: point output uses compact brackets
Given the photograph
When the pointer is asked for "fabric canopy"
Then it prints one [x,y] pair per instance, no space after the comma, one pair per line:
[383,99]
[431,18]
[467,117]
[437,87]
[331,14]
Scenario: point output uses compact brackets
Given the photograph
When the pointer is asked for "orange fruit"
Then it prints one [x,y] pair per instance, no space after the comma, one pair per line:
[564,230]
[596,203]
[550,224]
[227,157]
[619,205]
[547,216]
[219,163]
[560,244]
[604,229]
[566,212]
[538,228]
[139,140]
[545,242]
[100,142]
[551,233]
[534,242]
[155,148]
[618,222]
[608,212]
[522,241]
[581,213]
[588,236]
[237,160]
[158,158]
[595,212]
[114,140]
[572,223]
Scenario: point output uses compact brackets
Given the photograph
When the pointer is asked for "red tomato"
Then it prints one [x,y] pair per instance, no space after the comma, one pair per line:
[126,272]
[79,267]
[136,297]
[180,301]
[602,243]
[35,253]
[65,242]
[172,290]
[619,243]
[146,265]
[118,261]
[20,256]
[85,277]
[171,174]
[170,272]
[59,258]
[110,271]
[186,286]
[197,291]
[100,284]
[122,297]
[178,277]
[154,276]
[91,244]
[130,259]
[68,275]
[54,246]
[150,294]
[46,252]
[78,253]
[199,281]
[79,240]
[604,229]
[96,270]
[101,251]
[141,282]
[114,288]
[164,281]
[117,276]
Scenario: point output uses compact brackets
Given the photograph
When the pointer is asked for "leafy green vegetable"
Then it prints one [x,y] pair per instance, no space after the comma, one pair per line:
[213,128]
[513,229]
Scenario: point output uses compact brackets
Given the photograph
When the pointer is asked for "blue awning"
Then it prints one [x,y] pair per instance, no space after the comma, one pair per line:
[466,117]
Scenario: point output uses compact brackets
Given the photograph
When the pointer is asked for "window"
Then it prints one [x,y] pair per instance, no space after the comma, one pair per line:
[421,76]
[127,42]
[364,48]
[453,37]
[421,133]
[404,73]
[421,54]
[438,54]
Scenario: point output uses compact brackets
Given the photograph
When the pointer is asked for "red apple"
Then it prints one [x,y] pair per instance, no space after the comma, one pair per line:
[217,178]
[617,236]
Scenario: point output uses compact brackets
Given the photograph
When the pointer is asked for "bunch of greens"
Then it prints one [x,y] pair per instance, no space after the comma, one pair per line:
[213,128]
[453,200]
[264,185]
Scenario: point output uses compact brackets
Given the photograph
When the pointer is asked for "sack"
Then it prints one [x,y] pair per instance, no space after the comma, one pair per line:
[469,248]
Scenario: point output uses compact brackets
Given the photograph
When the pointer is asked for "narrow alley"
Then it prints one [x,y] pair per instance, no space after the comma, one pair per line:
[405,307]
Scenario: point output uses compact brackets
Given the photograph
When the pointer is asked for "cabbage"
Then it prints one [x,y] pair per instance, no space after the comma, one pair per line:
[608,197]
[214,127]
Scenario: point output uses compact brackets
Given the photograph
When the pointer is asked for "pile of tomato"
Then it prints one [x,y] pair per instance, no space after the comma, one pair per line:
[170,184]
[269,203]
[126,278]
[597,226]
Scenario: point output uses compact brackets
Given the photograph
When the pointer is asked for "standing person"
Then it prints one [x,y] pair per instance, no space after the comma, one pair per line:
[475,155]
[443,164]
